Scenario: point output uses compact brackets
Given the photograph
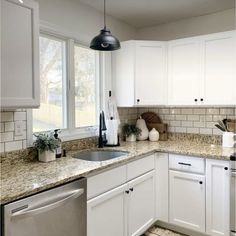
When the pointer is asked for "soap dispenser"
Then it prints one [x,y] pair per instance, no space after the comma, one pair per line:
[59,148]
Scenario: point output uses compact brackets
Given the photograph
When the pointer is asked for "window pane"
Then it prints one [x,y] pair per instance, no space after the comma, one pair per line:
[50,115]
[86,101]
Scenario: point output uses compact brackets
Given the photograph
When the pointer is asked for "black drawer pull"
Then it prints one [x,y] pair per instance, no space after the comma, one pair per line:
[184,164]
[226,168]
[127,191]
[131,189]
[200,182]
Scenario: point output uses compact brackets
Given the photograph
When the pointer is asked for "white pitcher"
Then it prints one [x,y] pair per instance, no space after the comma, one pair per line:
[228,139]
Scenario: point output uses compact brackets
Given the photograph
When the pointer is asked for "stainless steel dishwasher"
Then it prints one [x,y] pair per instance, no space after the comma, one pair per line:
[61,211]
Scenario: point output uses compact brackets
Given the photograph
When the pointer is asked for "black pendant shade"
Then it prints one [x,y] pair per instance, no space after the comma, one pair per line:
[105,41]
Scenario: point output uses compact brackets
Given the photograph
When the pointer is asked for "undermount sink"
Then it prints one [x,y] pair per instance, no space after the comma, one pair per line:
[99,155]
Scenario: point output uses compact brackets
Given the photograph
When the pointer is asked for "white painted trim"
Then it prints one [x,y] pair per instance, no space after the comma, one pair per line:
[73,133]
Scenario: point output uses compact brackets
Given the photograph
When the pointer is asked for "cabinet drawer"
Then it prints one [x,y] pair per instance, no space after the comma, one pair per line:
[187,163]
[105,181]
[139,167]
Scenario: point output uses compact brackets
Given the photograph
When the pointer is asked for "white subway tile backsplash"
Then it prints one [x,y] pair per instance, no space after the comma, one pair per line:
[206,131]
[193,117]
[1,127]
[180,129]
[193,130]
[227,111]
[199,111]
[175,111]
[187,123]
[186,111]
[181,117]
[6,137]
[13,146]
[9,126]
[213,111]
[7,116]
[19,115]
[2,147]
[8,140]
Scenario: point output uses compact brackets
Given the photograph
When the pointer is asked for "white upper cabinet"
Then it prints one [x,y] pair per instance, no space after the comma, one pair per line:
[184,71]
[139,73]
[150,73]
[219,69]
[19,54]
[202,70]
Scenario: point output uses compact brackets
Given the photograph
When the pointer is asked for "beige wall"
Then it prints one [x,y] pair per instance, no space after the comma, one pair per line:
[206,24]
[79,20]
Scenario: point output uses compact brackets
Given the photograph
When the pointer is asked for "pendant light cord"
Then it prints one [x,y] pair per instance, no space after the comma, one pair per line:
[105,14]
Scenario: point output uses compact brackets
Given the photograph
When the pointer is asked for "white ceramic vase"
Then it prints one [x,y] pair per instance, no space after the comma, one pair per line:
[131,138]
[47,156]
[141,124]
[154,135]
[228,139]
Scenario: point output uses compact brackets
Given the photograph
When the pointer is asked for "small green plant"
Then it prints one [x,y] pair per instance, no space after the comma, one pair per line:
[45,142]
[130,129]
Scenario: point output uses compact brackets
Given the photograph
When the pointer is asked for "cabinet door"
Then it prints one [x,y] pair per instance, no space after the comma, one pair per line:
[123,74]
[187,200]
[219,68]
[162,190]
[19,54]
[106,213]
[184,71]
[141,204]
[151,73]
[217,197]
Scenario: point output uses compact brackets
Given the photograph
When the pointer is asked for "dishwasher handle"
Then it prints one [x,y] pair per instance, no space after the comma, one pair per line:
[27,213]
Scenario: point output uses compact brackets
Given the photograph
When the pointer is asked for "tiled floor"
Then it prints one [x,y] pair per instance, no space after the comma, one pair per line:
[157,231]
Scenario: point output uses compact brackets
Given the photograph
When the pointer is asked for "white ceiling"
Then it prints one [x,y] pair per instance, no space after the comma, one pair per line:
[143,13]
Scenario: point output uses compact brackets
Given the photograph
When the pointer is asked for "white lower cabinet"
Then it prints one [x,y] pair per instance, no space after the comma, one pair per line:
[106,213]
[187,200]
[141,204]
[127,210]
[217,197]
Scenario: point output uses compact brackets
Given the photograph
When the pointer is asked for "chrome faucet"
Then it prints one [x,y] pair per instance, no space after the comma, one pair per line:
[102,127]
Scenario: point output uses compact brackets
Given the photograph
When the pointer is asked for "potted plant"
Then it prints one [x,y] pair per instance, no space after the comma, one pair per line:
[46,145]
[130,132]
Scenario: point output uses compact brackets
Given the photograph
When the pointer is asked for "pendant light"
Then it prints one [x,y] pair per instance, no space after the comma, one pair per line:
[105,41]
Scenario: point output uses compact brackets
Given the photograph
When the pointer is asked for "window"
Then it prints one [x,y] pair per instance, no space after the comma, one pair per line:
[61,106]
[86,99]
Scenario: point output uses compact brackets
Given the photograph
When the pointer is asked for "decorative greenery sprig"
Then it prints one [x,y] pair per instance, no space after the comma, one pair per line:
[130,129]
[45,142]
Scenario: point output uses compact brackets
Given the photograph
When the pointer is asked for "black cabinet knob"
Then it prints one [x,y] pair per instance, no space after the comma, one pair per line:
[138,100]
[226,168]
[201,99]
[127,191]
[195,100]
[131,189]
[200,182]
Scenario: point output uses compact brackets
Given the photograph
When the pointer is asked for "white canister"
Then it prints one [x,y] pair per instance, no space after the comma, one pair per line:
[47,156]
[154,135]
[131,138]
[228,139]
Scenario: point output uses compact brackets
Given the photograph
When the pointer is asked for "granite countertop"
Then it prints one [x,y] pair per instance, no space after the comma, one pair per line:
[27,177]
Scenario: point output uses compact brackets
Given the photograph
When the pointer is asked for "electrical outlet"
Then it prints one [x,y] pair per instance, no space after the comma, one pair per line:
[18,128]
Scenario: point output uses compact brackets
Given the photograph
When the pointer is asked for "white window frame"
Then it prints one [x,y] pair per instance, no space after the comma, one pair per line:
[72,133]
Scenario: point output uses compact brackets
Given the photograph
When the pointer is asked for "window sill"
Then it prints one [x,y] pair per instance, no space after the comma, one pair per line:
[69,135]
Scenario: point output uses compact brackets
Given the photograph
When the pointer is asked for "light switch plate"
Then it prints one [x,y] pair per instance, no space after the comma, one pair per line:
[18,128]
